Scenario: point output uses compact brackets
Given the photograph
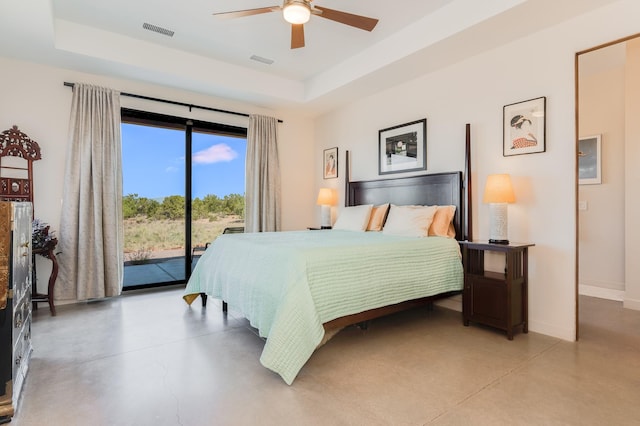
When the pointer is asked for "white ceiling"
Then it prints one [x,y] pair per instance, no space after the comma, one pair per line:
[211,55]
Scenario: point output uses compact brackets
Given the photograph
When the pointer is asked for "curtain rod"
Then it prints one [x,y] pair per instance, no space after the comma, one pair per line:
[149,98]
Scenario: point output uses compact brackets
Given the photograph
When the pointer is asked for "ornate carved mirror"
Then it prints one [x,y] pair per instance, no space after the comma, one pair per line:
[16,177]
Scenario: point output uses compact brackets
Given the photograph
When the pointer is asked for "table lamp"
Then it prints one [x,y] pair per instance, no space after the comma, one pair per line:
[326,199]
[498,192]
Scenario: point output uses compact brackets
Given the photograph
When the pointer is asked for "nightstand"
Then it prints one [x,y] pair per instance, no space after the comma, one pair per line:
[494,298]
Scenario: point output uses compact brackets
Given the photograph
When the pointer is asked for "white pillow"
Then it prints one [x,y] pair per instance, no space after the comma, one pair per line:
[354,218]
[409,221]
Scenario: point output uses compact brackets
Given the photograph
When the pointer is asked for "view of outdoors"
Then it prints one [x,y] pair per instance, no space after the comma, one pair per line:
[154,190]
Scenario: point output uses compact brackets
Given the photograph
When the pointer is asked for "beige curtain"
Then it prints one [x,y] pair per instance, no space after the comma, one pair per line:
[91,230]
[262,198]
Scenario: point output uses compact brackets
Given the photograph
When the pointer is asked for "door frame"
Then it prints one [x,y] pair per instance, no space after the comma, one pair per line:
[577,141]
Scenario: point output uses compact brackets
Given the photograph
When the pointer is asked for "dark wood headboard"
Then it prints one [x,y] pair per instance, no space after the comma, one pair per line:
[429,189]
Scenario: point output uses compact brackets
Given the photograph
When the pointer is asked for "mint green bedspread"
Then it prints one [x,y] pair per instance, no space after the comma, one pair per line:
[287,284]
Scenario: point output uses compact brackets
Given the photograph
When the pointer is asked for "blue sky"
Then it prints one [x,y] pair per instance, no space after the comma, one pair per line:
[153,163]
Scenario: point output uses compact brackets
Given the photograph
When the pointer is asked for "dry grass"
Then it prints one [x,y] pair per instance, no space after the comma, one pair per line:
[147,235]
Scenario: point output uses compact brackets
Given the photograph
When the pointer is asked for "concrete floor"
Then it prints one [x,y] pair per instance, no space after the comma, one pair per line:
[146,358]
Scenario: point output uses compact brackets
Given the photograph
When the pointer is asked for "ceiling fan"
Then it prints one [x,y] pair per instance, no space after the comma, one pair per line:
[298,12]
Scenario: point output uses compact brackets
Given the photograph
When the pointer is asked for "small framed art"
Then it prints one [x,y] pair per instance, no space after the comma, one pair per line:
[403,148]
[524,127]
[330,163]
[589,160]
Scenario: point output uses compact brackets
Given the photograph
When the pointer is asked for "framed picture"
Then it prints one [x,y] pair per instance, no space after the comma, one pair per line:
[403,148]
[330,163]
[524,127]
[589,160]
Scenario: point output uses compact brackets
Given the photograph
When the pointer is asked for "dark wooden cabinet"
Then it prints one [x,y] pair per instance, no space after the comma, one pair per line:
[497,299]
[15,302]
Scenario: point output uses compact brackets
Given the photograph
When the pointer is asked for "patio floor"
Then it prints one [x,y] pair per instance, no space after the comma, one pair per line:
[159,271]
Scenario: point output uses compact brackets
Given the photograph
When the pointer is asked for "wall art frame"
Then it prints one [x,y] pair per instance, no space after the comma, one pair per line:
[330,163]
[524,127]
[590,160]
[403,148]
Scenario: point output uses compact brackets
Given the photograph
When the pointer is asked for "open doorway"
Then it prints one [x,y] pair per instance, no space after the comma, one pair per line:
[606,76]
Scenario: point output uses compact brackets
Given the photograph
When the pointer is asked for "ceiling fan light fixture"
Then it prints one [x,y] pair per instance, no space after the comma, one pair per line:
[296,12]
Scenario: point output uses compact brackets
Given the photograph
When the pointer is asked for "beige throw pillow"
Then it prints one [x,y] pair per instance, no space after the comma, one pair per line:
[378,214]
[442,224]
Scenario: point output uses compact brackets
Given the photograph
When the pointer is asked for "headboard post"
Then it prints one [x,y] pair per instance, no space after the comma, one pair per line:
[468,219]
[347,179]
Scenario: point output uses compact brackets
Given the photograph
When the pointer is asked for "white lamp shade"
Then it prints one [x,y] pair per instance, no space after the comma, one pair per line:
[498,189]
[326,197]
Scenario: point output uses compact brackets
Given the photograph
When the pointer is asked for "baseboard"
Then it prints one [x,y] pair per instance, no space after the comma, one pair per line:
[601,292]
[632,304]
[553,331]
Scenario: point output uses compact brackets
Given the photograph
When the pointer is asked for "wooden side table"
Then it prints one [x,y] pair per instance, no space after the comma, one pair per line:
[494,298]
[48,252]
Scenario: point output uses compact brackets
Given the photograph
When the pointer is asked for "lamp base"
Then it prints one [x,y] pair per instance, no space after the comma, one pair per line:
[499,242]
[498,223]
[325,218]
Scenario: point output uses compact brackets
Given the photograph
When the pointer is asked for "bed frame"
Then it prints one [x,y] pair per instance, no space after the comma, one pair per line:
[450,188]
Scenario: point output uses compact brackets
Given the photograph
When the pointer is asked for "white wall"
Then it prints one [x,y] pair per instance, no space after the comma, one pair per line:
[474,91]
[34,99]
[632,178]
[601,225]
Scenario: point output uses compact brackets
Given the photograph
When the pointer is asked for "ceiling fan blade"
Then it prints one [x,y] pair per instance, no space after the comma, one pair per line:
[358,21]
[297,36]
[247,12]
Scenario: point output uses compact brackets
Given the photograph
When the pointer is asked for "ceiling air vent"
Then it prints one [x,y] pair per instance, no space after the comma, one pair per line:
[157,29]
[261,59]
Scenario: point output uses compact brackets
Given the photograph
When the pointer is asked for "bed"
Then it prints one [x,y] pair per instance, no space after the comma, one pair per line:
[294,287]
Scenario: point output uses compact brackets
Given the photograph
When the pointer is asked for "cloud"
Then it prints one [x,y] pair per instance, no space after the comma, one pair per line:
[171,169]
[215,154]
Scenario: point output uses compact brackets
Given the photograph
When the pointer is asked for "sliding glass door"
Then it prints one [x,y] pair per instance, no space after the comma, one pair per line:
[183,183]
[218,177]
